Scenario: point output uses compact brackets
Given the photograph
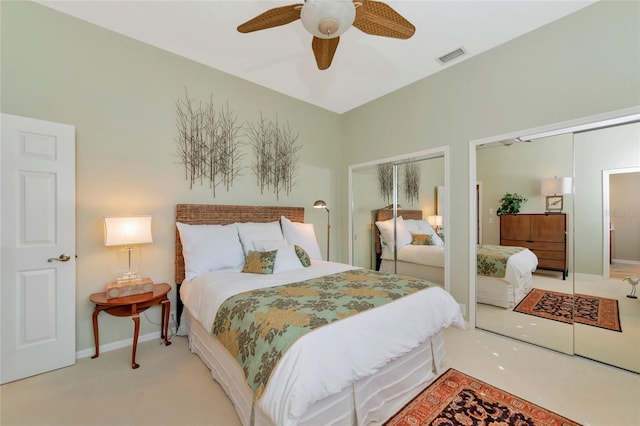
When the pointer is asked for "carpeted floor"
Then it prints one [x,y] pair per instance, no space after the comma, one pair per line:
[457,399]
[584,309]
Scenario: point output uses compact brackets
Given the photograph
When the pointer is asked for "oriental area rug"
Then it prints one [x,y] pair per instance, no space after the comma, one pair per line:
[590,310]
[457,399]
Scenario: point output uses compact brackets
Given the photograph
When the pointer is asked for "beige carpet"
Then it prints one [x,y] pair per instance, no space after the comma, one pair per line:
[619,349]
[173,388]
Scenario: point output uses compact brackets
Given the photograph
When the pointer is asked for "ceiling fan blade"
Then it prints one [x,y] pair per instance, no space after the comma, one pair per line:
[323,50]
[272,18]
[376,18]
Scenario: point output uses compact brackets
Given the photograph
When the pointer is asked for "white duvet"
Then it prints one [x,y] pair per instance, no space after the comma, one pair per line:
[333,357]
[519,268]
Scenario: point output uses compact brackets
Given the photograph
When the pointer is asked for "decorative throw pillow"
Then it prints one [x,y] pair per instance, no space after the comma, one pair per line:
[260,262]
[303,256]
[421,226]
[421,240]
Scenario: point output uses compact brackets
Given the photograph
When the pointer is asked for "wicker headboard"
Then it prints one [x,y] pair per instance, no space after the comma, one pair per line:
[214,214]
[385,214]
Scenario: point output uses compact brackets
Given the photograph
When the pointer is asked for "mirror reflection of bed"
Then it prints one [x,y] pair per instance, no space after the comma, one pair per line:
[426,258]
[419,252]
[592,158]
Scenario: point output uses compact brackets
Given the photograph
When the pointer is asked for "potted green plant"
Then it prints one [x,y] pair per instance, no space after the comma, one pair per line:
[511,203]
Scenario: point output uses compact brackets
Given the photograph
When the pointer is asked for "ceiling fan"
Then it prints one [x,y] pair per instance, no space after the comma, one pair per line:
[327,20]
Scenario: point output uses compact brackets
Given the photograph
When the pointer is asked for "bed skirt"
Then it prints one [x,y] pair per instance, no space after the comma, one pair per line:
[432,274]
[498,292]
[370,400]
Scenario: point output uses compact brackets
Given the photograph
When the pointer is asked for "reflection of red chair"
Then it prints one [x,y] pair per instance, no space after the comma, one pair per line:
[633,283]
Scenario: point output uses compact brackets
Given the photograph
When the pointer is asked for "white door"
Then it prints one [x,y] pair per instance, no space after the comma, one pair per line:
[37,278]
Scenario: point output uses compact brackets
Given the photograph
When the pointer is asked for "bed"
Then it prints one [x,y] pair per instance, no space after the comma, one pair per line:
[422,261]
[426,261]
[326,377]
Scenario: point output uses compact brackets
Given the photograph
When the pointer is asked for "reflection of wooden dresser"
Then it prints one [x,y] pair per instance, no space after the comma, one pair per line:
[543,234]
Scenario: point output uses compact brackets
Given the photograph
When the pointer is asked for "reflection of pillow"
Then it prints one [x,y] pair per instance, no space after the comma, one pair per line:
[209,248]
[303,235]
[260,262]
[421,240]
[303,256]
[423,227]
[250,232]
[286,259]
[386,232]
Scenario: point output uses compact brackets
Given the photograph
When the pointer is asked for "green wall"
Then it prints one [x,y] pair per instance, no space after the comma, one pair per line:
[585,64]
[120,94]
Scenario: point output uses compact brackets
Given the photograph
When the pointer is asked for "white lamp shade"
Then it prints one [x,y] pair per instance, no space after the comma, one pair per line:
[434,220]
[555,186]
[327,18]
[123,231]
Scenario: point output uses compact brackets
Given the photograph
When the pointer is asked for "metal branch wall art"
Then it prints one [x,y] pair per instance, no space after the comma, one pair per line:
[276,155]
[385,181]
[208,143]
[412,182]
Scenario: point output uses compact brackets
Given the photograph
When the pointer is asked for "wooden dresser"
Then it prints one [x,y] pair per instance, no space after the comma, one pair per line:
[543,234]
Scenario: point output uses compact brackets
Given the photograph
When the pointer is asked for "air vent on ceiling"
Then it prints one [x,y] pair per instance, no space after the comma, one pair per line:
[451,55]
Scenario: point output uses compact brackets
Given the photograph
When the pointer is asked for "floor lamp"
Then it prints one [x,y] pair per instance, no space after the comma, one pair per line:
[320,204]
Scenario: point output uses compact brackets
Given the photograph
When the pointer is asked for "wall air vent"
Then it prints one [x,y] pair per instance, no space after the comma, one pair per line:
[451,55]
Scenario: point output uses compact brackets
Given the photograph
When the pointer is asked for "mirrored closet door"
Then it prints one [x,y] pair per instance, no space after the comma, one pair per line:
[398,215]
[582,308]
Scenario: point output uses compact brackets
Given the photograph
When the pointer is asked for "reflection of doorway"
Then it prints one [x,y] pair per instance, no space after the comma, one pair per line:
[621,222]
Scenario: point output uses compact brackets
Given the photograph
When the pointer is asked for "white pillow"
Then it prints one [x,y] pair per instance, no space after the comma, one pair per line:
[286,258]
[303,235]
[416,226]
[208,248]
[268,245]
[386,232]
[251,231]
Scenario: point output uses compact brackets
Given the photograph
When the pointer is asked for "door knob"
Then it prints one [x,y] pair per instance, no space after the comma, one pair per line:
[62,258]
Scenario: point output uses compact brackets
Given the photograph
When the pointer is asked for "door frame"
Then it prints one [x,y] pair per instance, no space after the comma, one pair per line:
[606,214]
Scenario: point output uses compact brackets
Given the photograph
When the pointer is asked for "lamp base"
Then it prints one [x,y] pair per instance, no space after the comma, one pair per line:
[129,287]
[128,277]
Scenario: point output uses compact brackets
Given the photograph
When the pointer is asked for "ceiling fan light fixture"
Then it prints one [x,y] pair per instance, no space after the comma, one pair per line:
[327,18]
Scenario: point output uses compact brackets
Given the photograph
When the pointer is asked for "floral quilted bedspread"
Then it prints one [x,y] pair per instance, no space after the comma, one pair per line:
[492,260]
[258,326]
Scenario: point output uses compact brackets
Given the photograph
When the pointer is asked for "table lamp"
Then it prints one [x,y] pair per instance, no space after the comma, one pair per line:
[128,231]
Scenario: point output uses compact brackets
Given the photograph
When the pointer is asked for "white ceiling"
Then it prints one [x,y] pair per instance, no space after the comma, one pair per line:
[364,68]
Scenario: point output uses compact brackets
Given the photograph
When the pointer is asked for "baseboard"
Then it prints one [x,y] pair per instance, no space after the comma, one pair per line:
[626,262]
[117,345]
[128,342]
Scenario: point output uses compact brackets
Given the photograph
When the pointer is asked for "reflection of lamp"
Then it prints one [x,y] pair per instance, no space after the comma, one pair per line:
[327,19]
[320,204]
[128,231]
[435,222]
[554,189]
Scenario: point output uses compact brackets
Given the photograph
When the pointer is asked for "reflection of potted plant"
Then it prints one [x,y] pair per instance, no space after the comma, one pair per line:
[511,203]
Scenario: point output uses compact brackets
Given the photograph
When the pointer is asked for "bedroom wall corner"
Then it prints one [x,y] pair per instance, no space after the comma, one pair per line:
[120,94]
